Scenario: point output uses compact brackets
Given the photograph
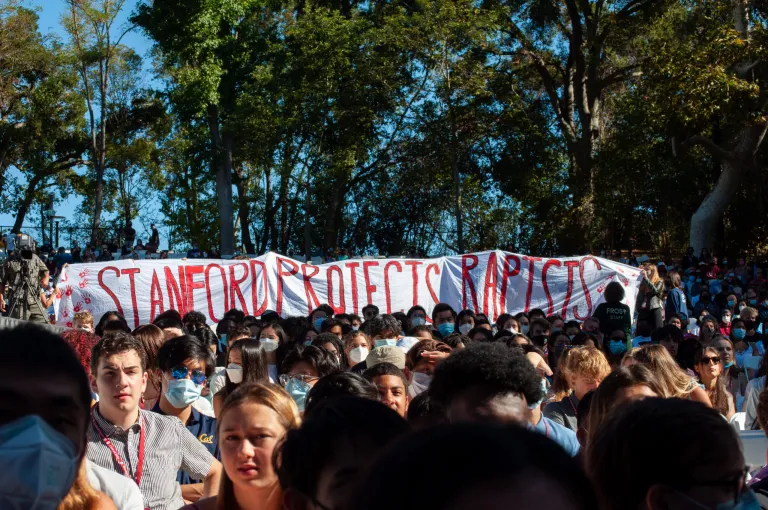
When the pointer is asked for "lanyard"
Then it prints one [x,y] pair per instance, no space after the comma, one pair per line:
[546,428]
[575,410]
[116,455]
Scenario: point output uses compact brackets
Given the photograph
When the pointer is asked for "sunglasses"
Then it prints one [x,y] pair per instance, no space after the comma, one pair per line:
[707,361]
[198,376]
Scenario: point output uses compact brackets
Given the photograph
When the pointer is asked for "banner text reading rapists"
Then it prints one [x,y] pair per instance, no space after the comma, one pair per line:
[489,282]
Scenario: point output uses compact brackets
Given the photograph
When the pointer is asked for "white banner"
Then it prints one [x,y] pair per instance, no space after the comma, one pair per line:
[492,282]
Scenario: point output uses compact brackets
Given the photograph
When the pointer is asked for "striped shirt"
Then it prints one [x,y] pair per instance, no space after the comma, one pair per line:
[168,448]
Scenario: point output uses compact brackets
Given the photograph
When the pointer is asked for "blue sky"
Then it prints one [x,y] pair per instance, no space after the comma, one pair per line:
[50,12]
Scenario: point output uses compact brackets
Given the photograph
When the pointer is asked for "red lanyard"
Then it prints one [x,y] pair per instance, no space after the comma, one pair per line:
[116,455]
[575,410]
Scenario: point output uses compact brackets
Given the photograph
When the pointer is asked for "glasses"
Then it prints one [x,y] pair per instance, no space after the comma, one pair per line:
[198,376]
[284,378]
[707,361]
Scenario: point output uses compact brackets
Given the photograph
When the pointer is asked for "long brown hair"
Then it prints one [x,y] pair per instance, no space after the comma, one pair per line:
[266,394]
[152,338]
[673,380]
[719,395]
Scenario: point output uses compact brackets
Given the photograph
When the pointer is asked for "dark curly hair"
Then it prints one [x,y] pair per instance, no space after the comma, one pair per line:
[493,368]
[116,343]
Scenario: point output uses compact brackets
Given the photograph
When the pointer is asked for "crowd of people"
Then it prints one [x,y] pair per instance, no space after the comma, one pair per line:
[438,410]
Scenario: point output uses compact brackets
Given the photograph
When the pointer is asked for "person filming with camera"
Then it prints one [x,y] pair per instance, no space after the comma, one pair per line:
[20,284]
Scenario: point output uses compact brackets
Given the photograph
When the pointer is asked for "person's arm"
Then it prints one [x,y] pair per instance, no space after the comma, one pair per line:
[212,480]
[192,492]
[47,302]
[699,395]
[731,407]
[198,462]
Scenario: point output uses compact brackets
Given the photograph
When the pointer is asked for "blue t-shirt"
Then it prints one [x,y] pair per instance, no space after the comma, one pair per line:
[563,436]
[204,429]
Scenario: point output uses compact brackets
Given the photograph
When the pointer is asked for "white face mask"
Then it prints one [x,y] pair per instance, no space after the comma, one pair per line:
[465,328]
[512,330]
[269,344]
[235,373]
[358,354]
[419,384]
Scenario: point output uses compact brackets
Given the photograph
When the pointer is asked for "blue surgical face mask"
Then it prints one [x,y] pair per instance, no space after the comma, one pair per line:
[446,329]
[731,303]
[319,323]
[739,333]
[39,464]
[536,405]
[418,321]
[182,392]
[747,501]
[728,365]
[524,329]
[298,391]
[753,302]
[617,348]
[383,341]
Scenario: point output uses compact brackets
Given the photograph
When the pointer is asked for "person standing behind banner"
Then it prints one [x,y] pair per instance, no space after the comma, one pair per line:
[648,305]
[144,446]
[676,303]
[613,314]
[154,240]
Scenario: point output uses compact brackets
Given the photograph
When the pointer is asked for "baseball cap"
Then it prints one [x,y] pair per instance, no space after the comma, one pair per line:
[386,354]
[407,342]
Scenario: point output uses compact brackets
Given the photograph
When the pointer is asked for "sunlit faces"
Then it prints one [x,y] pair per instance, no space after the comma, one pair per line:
[311,335]
[581,385]
[120,381]
[248,435]
[332,349]
[512,325]
[305,369]
[235,356]
[443,317]
[710,366]
[78,324]
[392,393]
[725,349]
[676,322]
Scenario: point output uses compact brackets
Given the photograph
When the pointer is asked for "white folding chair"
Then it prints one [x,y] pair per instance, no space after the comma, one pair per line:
[739,421]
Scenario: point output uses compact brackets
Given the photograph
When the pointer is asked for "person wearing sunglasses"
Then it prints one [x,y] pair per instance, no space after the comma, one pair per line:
[709,365]
[146,447]
[184,367]
[303,367]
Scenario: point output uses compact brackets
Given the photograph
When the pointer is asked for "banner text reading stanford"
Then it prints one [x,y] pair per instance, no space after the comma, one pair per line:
[492,282]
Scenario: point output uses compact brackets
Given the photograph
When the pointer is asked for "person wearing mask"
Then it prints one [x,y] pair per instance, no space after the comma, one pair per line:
[370,311]
[731,303]
[624,384]
[357,345]
[43,425]
[493,383]
[151,338]
[272,337]
[726,318]
[540,330]
[524,321]
[560,343]
[676,303]
[444,319]
[752,298]
[246,364]
[320,464]
[708,327]
[318,316]
[391,385]
[648,304]
[147,447]
[616,346]
[465,321]
[613,314]
[674,382]
[253,422]
[302,368]
[706,303]
[709,367]
[332,344]
[195,252]
[184,365]
[417,316]
[557,324]
[735,378]
[668,469]
[334,327]
[421,360]
[584,370]
[338,385]
[522,470]
[506,322]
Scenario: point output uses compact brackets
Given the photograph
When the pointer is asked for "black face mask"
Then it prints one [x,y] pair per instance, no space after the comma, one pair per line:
[706,299]
[749,325]
[540,340]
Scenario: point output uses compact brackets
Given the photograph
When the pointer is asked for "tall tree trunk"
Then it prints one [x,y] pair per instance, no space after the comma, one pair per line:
[29,196]
[734,165]
[222,147]
[243,212]
[307,223]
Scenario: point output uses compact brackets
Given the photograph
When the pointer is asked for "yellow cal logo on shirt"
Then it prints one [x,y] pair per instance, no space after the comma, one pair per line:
[205,438]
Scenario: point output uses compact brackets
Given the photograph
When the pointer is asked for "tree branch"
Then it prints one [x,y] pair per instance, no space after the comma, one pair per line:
[702,141]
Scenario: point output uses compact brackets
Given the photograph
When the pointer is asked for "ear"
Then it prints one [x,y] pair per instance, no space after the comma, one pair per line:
[408,374]
[94,387]
[294,500]
[144,378]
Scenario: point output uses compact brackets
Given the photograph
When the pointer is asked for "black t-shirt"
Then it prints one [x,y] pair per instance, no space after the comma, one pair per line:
[130,233]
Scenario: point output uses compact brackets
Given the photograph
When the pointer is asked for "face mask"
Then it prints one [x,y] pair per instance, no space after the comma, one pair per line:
[617,347]
[319,323]
[383,342]
[739,333]
[355,328]
[525,329]
[358,354]
[556,330]
[698,280]
[540,340]
[465,328]
[446,329]
[727,319]
[742,307]
[691,278]
[728,365]
[512,330]
[747,501]
[235,373]
[269,344]
[298,391]
[182,392]
[731,303]
[39,464]
[418,321]
[571,337]
[419,384]
[222,342]
[536,405]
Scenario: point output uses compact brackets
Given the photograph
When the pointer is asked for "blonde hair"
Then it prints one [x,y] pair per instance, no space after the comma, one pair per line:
[84,317]
[350,337]
[81,495]
[587,362]
[266,394]
[673,380]
[653,273]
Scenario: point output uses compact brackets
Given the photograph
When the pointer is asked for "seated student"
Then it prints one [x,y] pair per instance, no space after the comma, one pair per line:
[302,368]
[493,383]
[444,319]
[384,331]
[339,384]
[585,369]
[119,428]
[246,365]
[503,467]
[43,422]
[421,332]
[184,364]
[319,465]
[668,468]
[391,385]
[643,332]
[254,421]
[83,321]
[421,361]
[357,345]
